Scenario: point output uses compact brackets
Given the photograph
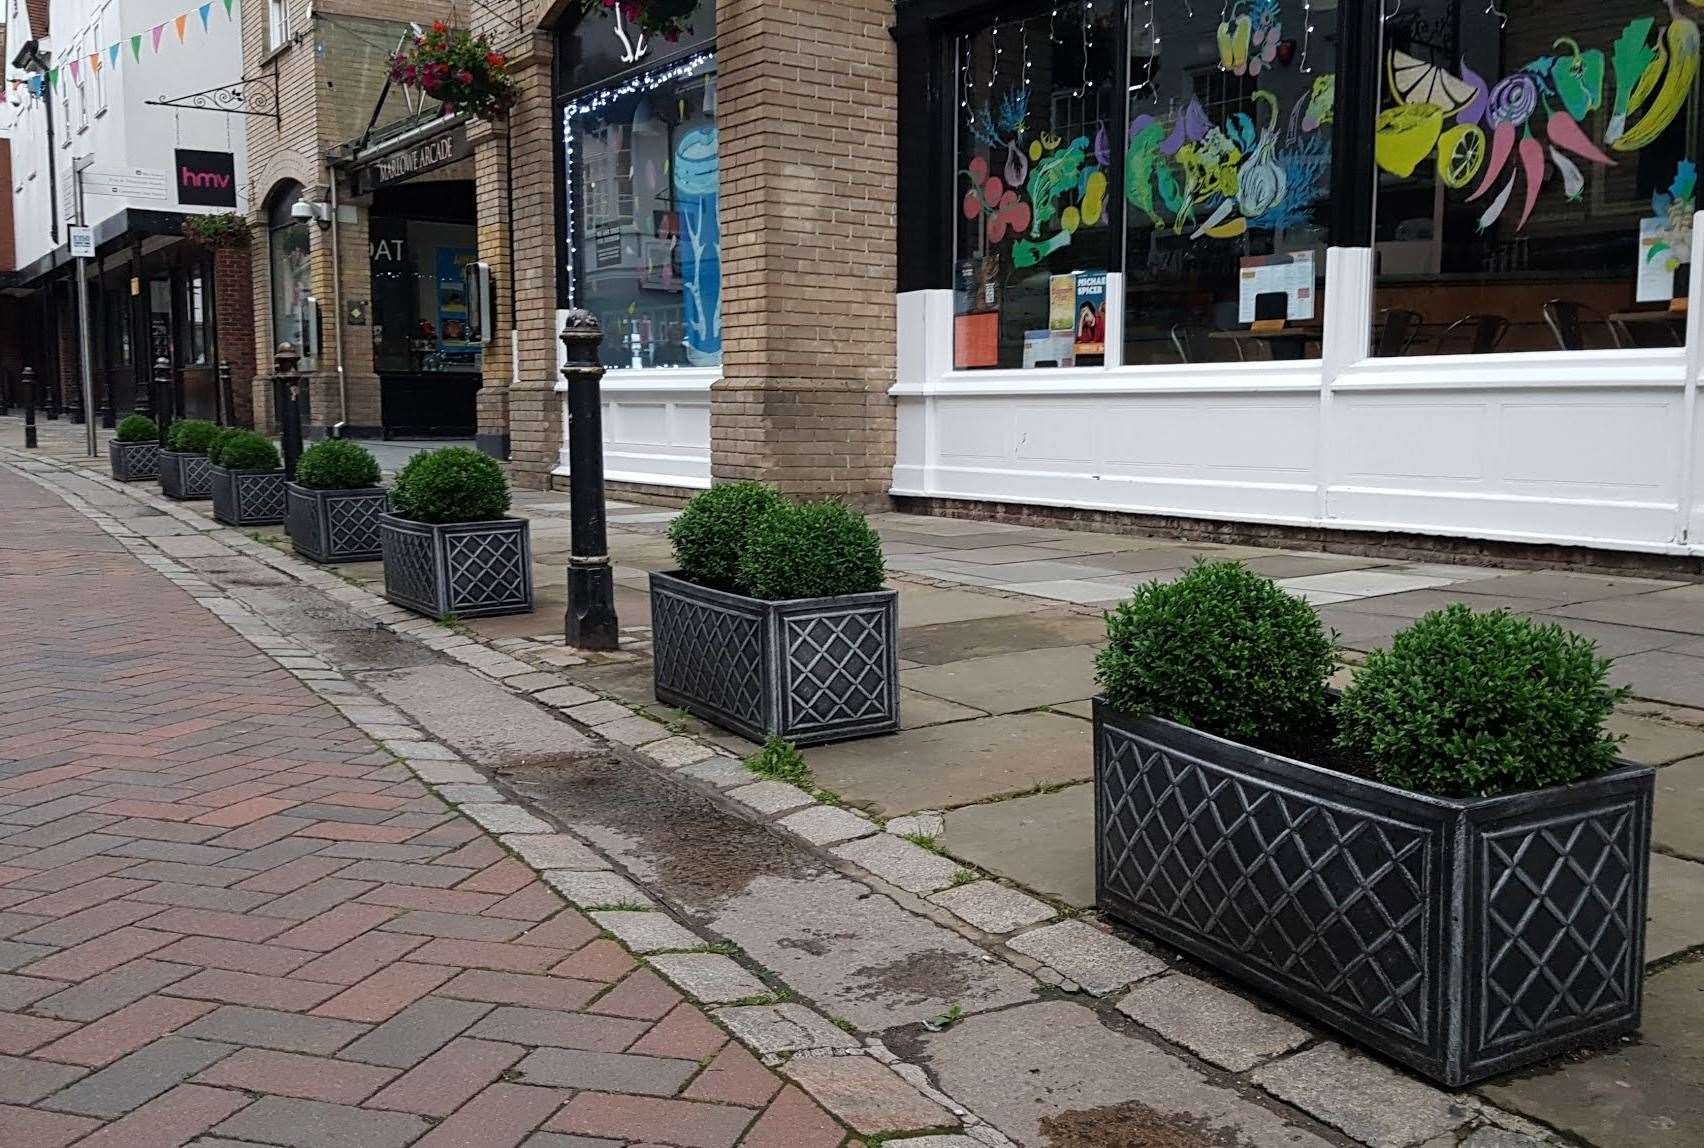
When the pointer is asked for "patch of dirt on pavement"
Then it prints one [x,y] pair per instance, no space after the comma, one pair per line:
[703,854]
[920,976]
[1133,1125]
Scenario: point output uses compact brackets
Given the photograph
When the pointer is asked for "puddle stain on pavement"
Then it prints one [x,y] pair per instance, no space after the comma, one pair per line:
[1133,1125]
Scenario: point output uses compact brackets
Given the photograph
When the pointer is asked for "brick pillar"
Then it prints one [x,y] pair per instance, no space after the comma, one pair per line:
[233,295]
[534,410]
[491,190]
[806,108]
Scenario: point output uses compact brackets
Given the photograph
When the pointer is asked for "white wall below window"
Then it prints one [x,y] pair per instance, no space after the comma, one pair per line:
[656,424]
[1588,448]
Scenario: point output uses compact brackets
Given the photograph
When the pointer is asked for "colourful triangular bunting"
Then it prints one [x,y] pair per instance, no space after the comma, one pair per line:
[136,46]
[112,54]
[53,78]
[227,8]
[158,30]
[94,62]
[76,71]
[180,23]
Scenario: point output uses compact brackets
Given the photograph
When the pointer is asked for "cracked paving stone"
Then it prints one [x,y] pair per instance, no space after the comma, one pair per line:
[1220,1027]
[590,889]
[1096,960]
[898,862]
[867,1094]
[648,932]
[826,825]
[773,1029]
[770,797]
[721,772]
[678,751]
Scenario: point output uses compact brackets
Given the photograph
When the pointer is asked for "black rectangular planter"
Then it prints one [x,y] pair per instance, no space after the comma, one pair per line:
[185,475]
[335,525]
[247,497]
[134,461]
[1460,936]
[811,670]
[469,569]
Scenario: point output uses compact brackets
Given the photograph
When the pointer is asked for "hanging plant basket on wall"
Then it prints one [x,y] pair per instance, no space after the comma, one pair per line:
[461,71]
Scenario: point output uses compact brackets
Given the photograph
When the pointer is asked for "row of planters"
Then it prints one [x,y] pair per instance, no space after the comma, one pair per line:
[448,546]
[1446,860]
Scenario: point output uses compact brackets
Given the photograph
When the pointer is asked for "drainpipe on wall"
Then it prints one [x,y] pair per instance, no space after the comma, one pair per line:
[337,315]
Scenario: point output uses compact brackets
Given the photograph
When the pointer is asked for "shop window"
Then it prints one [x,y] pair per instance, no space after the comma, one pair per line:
[646,247]
[196,331]
[1227,179]
[1038,119]
[419,306]
[1537,170]
[292,278]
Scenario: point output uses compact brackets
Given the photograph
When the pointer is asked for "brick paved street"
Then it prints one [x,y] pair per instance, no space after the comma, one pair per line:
[227,917]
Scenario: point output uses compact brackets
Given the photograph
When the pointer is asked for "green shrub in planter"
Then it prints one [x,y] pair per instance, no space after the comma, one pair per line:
[452,484]
[246,450]
[1223,650]
[137,428]
[710,534]
[337,464]
[1475,705]
[191,436]
[810,550]
[216,445]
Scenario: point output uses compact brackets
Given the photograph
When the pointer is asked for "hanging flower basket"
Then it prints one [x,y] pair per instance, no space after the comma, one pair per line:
[225,229]
[460,70]
[666,18]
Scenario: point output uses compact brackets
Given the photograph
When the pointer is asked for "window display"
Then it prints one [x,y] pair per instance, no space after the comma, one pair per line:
[646,249]
[292,283]
[1227,176]
[1537,171]
[1037,124]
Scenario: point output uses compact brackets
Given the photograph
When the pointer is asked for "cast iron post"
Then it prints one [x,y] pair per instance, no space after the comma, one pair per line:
[50,400]
[161,384]
[29,408]
[142,388]
[227,409]
[591,623]
[108,417]
[287,405]
[74,406]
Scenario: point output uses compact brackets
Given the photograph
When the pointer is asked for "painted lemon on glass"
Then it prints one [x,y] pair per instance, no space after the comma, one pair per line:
[1461,153]
[1414,81]
[1406,135]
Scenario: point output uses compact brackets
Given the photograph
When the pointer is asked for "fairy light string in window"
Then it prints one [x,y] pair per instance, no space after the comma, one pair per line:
[1307,34]
[595,102]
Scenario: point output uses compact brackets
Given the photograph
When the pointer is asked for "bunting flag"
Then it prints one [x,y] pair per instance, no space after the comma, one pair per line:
[112,54]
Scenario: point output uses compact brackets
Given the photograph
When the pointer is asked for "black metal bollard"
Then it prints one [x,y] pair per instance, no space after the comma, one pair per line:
[227,406]
[6,390]
[29,408]
[50,400]
[591,623]
[74,404]
[161,385]
[289,392]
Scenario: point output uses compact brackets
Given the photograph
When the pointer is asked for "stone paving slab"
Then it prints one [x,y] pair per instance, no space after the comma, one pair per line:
[1220,1027]
[1042,841]
[1097,960]
[1374,1104]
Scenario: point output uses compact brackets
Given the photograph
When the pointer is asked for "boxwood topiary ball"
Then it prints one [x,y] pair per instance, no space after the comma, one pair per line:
[246,450]
[452,484]
[1223,650]
[337,464]
[137,428]
[1474,705]
[216,446]
[811,550]
[710,534]
[191,436]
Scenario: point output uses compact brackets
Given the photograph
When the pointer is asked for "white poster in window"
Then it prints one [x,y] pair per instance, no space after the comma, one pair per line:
[1663,249]
[1289,275]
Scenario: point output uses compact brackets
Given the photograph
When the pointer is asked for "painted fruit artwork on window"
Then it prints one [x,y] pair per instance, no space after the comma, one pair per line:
[1494,140]
[1190,176]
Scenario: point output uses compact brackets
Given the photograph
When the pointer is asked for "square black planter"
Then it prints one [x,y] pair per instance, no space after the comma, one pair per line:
[1460,936]
[469,569]
[134,461]
[335,525]
[811,670]
[247,497]
[185,475]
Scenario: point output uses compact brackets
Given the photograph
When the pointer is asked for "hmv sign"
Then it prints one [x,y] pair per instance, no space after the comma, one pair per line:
[206,178]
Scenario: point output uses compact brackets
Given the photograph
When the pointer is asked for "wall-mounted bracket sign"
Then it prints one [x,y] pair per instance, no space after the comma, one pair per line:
[404,164]
[205,178]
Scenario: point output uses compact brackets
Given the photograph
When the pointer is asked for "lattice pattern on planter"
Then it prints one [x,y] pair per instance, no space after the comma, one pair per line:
[836,668]
[260,498]
[1562,919]
[711,655]
[302,523]
[411,574]
[487,568]
[1328,898]
[134,460]
[197,475]
[354,522]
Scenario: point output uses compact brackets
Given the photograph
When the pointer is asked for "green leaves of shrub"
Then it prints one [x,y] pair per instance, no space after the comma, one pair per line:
[452,484]
[191,436]
[710,534]
[137,428]
[337,464]
[1225,651]
[1466,704]
[216,444]
[811,550]
[246,450]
